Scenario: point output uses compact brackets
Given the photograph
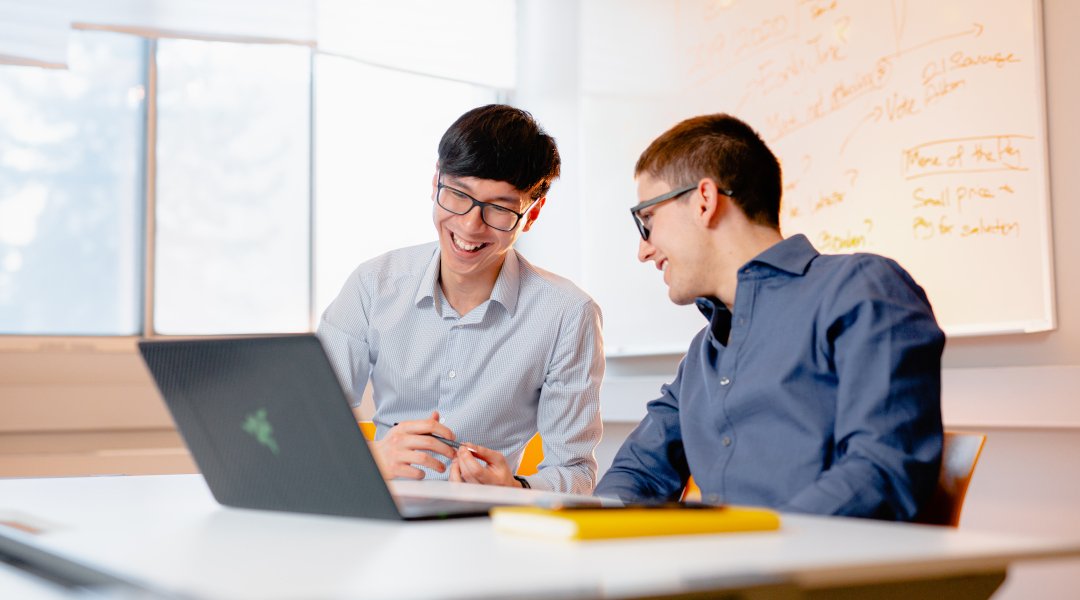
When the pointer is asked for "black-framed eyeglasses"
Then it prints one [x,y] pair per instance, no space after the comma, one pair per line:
[642,226]
[458,202]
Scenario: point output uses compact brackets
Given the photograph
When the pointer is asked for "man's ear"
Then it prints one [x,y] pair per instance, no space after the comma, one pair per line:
[435,181]
[533,214]
[711,204]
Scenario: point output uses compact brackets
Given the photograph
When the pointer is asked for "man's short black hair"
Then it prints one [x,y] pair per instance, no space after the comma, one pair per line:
[728,151]
[501,143]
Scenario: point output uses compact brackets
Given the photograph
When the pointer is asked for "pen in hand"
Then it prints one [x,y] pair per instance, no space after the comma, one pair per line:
[451,443]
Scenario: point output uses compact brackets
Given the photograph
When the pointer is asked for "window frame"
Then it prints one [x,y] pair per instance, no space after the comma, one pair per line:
[68,343]
[111,344]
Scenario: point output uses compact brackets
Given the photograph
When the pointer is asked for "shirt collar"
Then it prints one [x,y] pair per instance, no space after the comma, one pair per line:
[792,255]
[430,279]
[708,305]
[506,287]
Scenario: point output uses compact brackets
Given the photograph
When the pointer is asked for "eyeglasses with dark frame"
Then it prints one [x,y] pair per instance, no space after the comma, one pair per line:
[673,194]
[459,203]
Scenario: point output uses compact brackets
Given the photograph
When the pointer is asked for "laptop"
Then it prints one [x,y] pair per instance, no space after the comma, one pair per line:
[269,426]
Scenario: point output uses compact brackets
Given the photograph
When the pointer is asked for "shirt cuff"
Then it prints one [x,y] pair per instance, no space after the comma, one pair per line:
[538,483]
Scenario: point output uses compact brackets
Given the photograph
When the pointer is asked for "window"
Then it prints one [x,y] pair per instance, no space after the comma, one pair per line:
[233,188]
[233,163]
[71,179]
[231,246]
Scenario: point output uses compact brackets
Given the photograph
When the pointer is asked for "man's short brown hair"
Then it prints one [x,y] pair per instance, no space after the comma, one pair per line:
[726,150]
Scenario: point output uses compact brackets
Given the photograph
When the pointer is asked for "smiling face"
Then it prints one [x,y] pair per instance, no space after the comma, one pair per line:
[675,245]
[470,248]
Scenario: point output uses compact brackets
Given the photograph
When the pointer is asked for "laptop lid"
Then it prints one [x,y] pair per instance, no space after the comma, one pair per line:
[269,426]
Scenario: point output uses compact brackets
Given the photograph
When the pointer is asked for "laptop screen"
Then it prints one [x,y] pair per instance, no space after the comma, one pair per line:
[268,424]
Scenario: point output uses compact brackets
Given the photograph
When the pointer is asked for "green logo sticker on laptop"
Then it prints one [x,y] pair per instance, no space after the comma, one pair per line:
[258,426]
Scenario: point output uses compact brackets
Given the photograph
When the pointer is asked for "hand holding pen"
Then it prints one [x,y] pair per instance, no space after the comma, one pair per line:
[404,445]
[476,464]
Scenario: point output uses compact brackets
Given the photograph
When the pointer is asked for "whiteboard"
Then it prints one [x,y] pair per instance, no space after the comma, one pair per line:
[914,129]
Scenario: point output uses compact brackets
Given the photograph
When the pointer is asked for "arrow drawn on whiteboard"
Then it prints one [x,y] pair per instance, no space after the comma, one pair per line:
[878,112]
[976,30]
[875,114]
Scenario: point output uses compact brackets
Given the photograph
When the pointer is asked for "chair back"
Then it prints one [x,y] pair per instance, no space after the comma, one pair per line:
[534,455]
[368,428]
[691,493]
[959,454]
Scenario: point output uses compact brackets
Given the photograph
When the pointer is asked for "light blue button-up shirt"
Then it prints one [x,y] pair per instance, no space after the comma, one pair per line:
[529,359]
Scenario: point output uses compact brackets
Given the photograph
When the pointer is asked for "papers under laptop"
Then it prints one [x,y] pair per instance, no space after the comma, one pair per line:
[269,426]
[417,495]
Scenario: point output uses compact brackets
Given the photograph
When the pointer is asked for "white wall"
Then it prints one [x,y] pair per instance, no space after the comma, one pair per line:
[547,86]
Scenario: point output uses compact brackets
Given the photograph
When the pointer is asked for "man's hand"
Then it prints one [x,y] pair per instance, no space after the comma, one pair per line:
[403,446]
[466,468]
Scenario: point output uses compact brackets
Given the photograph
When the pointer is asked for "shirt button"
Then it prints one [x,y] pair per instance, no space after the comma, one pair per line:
[452,374]
[714,498]
[740,321]
[442,419]
[727,441]
[723,380]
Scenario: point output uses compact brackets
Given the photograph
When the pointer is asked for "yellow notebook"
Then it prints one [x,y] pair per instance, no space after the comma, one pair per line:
[601,523]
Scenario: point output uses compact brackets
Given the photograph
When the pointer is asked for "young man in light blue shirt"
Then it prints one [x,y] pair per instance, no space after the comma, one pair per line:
[463,338]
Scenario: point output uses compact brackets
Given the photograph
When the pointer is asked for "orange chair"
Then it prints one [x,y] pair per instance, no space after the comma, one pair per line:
[959,454]
[691,493]
[958,457]
[368,428]
[534,455]
[534,451]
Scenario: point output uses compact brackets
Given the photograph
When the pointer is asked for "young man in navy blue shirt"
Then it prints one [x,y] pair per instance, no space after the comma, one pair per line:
[815,386]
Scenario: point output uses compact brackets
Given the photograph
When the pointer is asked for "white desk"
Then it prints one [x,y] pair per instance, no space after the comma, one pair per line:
[167,530]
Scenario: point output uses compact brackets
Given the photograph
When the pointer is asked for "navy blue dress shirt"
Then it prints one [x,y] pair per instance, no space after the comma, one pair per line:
[826,397]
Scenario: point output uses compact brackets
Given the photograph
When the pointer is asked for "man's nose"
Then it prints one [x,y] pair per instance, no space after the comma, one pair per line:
[474,219]
[645,251]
